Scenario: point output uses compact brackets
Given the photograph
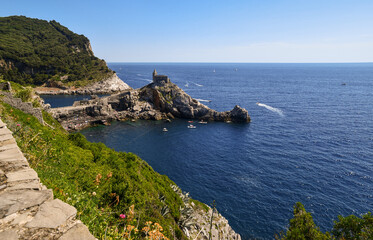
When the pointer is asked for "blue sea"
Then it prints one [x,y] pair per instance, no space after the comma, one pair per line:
[310,140]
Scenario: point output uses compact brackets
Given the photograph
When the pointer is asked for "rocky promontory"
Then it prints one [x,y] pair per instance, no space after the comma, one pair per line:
[112,84]
[158,100]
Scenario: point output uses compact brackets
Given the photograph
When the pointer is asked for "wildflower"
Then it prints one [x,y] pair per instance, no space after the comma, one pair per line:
[94,194]
[18,124]
[122,216]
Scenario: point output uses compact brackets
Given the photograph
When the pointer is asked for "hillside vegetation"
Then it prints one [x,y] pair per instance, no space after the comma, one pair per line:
[33,51]
[117,194]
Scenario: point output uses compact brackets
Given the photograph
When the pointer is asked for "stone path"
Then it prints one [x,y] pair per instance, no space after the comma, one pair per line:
[27,208]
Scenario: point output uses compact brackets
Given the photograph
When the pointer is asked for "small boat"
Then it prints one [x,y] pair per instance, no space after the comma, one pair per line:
[165,130]
[191,126]
[235,69]
[202,122]
[344,84]
[190,121]
[214,70]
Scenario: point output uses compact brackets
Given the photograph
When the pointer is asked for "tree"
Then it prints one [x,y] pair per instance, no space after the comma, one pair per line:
[352,227]
[302,226]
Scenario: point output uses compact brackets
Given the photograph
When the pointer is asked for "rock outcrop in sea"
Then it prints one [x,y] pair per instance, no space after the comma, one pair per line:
[158,100]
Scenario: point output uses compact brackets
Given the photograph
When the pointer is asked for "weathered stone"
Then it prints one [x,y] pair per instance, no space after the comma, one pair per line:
[52,214]
[77,232]
[9,235]
[5,137]
[35,185]
[8,146]
[2,124]
[21,219]
[15,201]
[7,142]
[4,131]
[13,164]
[21,176]
[10,153]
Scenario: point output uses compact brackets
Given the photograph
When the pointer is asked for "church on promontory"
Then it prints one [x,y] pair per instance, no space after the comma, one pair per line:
[160,79]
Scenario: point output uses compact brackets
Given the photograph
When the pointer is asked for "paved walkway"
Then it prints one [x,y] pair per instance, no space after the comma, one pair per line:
[27,208]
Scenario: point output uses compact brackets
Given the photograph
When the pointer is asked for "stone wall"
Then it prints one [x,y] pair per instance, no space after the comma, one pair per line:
[27,207]
[23,106]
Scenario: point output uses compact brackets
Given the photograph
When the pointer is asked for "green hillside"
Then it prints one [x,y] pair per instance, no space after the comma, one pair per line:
[33,51]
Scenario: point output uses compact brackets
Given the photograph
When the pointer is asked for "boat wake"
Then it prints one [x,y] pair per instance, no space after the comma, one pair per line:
[276,110]
[198,85]
[202,100]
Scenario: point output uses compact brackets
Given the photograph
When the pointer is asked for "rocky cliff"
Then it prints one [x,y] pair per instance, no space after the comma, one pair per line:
[110,85]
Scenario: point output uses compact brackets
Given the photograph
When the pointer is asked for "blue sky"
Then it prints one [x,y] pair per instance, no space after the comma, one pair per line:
[214,31]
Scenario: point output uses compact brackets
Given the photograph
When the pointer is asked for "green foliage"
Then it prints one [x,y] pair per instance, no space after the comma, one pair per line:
[346,228]
[352,227]
[100,182]
[24,94]
[302,226]
[33,51]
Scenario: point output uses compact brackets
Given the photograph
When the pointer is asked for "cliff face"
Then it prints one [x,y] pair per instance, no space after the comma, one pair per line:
[33,51]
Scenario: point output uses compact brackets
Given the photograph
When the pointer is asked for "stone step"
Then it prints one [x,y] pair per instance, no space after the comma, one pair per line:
[12,164]
[6,137]
[52,214]
[32,185]
[7,142]
[4,131]
[22,176]
[2,124]
[8,146]
[12,152]
[14,201]
[78,232]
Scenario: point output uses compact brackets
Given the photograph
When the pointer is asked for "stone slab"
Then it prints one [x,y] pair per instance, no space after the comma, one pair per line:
[35,185]
[6,142]
[8,146]
[78,232]
[9,165]
[5,137]
[4,131]
[52,214]
[14,201]
[21,176]
[9,235]
[12,152]
[21,219]
[2,124]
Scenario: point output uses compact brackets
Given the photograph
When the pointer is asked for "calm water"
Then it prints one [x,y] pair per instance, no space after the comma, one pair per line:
[315,145]
[64,100]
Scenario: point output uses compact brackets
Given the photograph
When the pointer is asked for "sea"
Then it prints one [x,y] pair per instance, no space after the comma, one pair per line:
[310,140]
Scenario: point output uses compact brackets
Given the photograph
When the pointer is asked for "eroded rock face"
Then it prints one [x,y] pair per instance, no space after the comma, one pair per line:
[169,98]
[111,85]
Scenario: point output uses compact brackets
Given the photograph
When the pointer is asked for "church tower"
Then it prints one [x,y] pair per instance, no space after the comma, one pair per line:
[154,74]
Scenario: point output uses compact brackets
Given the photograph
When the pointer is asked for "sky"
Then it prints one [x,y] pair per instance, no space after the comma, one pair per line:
[214,30]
